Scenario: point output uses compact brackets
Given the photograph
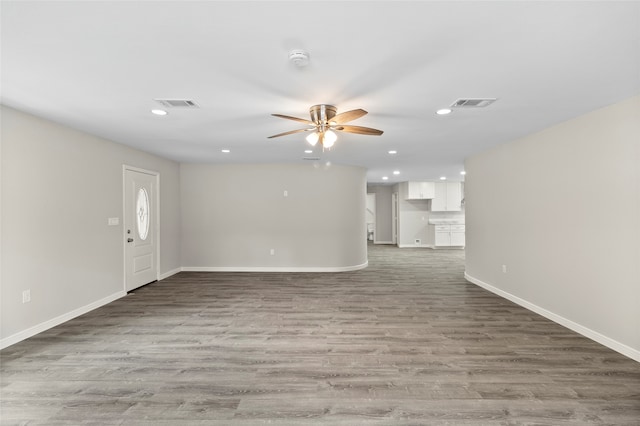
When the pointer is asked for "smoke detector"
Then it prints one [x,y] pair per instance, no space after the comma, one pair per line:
[299,57]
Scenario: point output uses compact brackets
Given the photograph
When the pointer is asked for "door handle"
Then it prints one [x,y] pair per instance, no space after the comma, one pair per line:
[129,240]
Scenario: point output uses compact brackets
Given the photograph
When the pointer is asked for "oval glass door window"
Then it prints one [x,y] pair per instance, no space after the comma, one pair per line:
[142,214]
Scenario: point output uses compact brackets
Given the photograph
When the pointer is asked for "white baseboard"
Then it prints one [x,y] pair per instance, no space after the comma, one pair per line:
[383,242]
[274,268]
[32,331]
[415,246]
[580,329]
[169,273]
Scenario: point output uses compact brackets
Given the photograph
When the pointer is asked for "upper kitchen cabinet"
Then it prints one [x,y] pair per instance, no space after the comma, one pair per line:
[448,197]
[418,190]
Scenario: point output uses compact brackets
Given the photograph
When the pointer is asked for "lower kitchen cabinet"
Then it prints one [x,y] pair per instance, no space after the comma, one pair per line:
[449,236]
[457,235]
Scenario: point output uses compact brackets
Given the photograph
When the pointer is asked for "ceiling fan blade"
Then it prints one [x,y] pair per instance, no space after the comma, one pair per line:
[302,120]
[359,130]
[347,116]
[290,132]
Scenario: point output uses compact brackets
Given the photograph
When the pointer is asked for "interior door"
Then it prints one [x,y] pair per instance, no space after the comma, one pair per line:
[140,228]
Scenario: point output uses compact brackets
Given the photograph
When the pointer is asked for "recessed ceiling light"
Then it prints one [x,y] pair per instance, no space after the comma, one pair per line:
[226,151]
[463,173]
[385,177]
[396,172]
[443,111]
[392,152]
[443,178]
[159,112]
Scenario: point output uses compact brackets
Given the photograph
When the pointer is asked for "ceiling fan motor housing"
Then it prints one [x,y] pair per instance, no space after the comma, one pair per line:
[322,113]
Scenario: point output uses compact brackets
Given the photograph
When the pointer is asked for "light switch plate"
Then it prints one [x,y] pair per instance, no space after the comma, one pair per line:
[113,221]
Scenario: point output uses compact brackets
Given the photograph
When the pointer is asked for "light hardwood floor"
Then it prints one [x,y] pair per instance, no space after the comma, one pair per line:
[406,341]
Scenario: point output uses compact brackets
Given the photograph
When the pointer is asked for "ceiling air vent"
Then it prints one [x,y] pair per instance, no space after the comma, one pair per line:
[311,158]
[473,102]
[177,103]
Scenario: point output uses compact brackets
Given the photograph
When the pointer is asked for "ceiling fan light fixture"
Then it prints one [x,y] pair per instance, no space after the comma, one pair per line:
[329,139]
[312,138]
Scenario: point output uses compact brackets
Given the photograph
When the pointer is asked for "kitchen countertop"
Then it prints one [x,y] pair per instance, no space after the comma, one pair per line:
[446,221]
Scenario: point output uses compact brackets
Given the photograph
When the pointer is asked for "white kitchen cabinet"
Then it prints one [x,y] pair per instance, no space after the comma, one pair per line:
[443,235]
[454,196]
[447,197]
[439,202]
[457,235]
[419,190]
[449,236]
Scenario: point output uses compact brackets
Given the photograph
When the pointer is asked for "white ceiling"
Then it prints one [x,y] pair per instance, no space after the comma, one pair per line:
[97,66]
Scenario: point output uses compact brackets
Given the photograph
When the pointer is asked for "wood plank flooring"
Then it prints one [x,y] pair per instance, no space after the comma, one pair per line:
[406,341]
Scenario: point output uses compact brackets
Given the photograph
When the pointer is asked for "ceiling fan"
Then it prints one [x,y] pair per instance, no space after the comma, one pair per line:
[324,120]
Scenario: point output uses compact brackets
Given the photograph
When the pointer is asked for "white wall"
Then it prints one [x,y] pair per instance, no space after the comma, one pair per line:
[413,223]
[561,209]
[383,212]
[59,186]
[233,215]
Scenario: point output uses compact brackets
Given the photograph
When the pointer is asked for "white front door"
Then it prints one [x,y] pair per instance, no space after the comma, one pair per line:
[140,228]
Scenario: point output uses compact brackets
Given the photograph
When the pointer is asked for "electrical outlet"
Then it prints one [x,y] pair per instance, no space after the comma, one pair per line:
[418,241]
[504,269]
[273,252]
[286,193]
[26,296]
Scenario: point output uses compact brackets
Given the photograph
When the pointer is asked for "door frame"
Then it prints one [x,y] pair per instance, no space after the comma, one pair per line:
[394,218]
[156,208]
